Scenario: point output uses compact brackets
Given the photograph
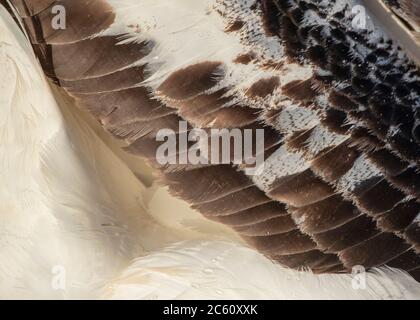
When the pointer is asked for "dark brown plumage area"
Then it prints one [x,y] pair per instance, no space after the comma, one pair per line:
[300,90]
[305,219]
[191,81]
[84,19]
[31,8]
[102,56]
[408,10]
[329,49]
[300,190]
[263,87]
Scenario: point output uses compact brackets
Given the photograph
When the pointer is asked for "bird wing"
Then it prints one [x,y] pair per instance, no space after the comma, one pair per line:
[336,97]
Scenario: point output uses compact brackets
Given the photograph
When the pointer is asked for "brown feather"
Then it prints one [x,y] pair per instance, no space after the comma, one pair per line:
[233,203]
[124,106]
[100,16]
[277,225]
[399,217]
[315,260]
[31,8]
[117,81]
[386,247]
[253,215]
[346,236]
[223,182]
[191,81]
[292,242]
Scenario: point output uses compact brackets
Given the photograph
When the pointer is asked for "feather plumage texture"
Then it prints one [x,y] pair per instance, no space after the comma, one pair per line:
[69,208]
[51,191]
[409,10]
[165,275]
[304,73]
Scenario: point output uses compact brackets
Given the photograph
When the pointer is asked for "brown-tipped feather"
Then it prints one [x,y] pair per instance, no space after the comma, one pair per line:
[347,235]
[229,117]
[278,225]
[234,202]
[31,8]
[117,81]
[299,90]
[407,261]
[315,260]
[292,242]
[263,87]
[334,162]
[379,198]
[386,246]
[412,234]
[325,215]
[399,217]
[253,215]
[191,81]
[124,106]
[223,182]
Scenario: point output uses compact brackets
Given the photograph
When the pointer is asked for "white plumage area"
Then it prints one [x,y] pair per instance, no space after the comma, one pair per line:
[77,223]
